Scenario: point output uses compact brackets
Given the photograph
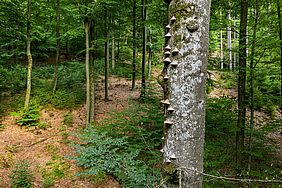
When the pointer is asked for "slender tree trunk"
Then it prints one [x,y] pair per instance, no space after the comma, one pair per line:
[29,57]
[88,91]
[118,46]
[134,47]
[221,46]
[56,71]
[150,54]
[229,36]
[106,68]
[67,45]
[240,133]
[235,44]
[221,50]
[185,107]
[144,49]
[113,53]
[280,37]
[252,74]
[92,79]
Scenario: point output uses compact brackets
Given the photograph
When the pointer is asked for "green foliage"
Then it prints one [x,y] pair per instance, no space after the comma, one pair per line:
[56,169]
[68,119]
[221,119]
[126,146]
[21,177]
[12,79]
[29,117]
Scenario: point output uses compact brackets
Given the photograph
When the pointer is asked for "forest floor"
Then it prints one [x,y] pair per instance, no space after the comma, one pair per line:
[45,150]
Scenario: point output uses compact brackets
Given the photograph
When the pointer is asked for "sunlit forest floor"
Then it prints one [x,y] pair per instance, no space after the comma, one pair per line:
[45,149]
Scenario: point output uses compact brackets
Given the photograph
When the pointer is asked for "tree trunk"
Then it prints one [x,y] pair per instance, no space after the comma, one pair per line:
[118,46]
[242,81]
[107,54]
[150,54]
[185,107]
[221,47]
[92,79]
[280,37]
[235,44]
[29,57]
[88,91]
[144,49]
[252,74]
[134,47]
[113,53]
[229,36]
[56,71]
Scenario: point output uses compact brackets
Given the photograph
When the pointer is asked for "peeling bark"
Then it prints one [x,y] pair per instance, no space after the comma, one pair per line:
[186,68]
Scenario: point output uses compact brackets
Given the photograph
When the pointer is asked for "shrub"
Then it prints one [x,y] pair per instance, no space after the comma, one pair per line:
[21,176]
[29,117]
[126,146]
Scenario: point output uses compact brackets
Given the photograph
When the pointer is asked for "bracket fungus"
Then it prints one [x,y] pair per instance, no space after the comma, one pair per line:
[167,61]
[165,102]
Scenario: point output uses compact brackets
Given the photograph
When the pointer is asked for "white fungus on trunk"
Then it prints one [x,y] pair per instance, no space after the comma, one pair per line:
[184,138]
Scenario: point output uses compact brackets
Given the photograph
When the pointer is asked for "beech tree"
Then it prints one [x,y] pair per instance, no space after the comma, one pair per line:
[186,57]
[29,57]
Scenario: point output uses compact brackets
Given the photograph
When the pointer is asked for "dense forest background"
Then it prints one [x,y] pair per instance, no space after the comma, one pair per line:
[94,116]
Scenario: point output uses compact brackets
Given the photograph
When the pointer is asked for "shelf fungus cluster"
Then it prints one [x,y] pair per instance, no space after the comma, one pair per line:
[171,53]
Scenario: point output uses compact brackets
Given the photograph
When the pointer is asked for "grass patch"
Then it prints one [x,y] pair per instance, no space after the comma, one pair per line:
[55,169]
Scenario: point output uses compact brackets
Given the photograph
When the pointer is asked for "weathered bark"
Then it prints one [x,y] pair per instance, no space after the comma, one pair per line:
[56,71]
[185,107]
[134,47]
[88,105]
[144,49]
[29,57]
[252,75]
[242,81]
[280,37]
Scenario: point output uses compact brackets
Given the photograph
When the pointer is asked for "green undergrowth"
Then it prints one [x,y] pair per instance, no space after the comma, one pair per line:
[55,169]
[221,119]
[126,145]
[123,69]
[21,175]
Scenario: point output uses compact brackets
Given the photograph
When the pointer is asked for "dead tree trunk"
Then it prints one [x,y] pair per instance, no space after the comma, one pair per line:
[185,73]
